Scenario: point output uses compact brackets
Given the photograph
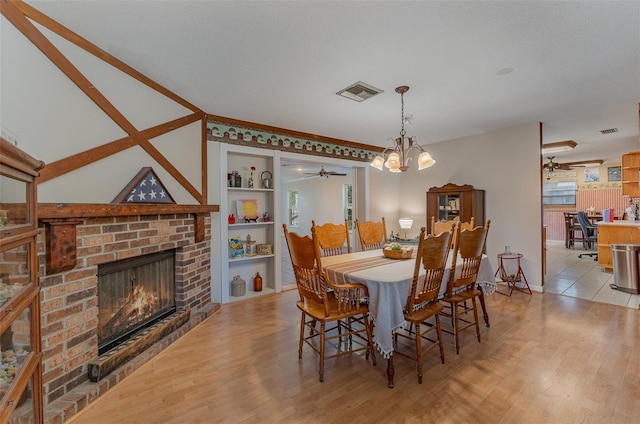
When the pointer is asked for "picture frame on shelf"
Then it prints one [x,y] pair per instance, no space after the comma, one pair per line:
[247,209]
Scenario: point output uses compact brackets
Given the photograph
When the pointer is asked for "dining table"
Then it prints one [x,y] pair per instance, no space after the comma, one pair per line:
[388,282]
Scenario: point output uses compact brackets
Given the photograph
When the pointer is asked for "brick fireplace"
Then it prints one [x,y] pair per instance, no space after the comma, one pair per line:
[69,252]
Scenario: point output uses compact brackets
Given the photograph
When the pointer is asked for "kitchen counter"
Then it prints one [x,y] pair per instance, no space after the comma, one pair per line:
[619,223]
[616,232]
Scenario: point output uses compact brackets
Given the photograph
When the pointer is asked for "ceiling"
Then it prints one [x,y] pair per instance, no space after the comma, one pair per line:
[576,65]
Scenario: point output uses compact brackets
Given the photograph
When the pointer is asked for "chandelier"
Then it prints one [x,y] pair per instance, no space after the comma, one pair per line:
[398,159]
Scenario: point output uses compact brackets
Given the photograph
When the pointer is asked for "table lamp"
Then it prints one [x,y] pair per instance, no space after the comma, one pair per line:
[405,224]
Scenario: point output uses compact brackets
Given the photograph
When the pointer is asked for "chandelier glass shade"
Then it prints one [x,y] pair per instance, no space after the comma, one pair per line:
[398,159]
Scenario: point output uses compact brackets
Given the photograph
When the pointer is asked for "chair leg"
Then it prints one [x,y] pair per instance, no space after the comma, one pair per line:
[475,316]
[440,342]
[418,335]
[322,336]
[301,336]
[455,326]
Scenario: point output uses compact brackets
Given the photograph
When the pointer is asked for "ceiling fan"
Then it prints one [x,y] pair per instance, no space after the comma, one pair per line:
[324,174]
[552,166]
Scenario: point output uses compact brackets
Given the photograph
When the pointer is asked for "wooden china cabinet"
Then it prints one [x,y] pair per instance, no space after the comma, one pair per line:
[453,201]
[20,359]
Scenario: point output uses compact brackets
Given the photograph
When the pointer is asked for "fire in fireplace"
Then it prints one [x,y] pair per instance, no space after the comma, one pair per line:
[134,294]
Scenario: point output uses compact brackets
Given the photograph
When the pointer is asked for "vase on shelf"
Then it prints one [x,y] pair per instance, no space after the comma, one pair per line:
[257,282]
[250,181]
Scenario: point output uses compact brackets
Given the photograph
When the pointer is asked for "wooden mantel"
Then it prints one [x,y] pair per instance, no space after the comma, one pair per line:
[95,210]
[60,220]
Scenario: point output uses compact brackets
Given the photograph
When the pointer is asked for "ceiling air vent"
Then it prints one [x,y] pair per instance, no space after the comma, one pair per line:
[609,131]
[359,91]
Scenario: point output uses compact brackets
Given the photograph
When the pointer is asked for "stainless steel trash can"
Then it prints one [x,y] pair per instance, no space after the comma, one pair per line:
[626,266]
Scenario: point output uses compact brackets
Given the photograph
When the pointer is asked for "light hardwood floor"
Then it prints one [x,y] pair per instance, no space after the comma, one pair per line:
[545,359]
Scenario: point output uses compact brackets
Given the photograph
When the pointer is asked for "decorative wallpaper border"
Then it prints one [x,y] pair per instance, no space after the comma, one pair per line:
[599,186]
[245,136]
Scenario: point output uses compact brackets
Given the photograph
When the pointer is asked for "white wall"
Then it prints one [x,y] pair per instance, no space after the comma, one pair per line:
[385,198]
[51,119]
[320,199]
[506,164]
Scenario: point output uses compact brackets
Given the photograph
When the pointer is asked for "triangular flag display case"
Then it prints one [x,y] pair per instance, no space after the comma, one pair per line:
[145,187]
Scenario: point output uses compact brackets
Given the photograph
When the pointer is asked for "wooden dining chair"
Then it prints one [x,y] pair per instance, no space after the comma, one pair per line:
[573,231]
[422,310]
[468,246]
[440,226]
[373,235]
[342,307]
[332,238]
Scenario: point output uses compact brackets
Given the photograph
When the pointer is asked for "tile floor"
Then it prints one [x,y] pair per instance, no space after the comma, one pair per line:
[569,275]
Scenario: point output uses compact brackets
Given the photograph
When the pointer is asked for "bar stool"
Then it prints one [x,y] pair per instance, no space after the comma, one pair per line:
[511,272]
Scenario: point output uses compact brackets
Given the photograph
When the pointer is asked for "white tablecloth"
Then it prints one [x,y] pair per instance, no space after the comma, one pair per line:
[388,283]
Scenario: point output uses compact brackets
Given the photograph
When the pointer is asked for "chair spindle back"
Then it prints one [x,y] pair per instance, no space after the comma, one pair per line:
[332,238]
[468,248]
[431,254]
[373,235]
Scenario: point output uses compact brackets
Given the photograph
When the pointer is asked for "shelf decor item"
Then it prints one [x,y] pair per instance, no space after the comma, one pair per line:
[238,286]
[236,179]
[247,208]
[257,282]
[231,219]
[264,249]
[145,187]
[250,181]
[237,246]
[266,178]
[249,245]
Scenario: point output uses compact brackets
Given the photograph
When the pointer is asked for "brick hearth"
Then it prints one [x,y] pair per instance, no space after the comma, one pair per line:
[69,311]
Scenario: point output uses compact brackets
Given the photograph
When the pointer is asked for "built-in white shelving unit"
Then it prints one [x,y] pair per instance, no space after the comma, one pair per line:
[241,159]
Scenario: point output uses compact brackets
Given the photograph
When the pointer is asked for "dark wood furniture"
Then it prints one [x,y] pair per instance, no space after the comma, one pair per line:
[451,201]
[573,232]
[21,379]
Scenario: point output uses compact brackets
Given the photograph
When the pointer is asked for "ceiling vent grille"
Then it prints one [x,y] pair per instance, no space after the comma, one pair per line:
[359,91]
[609,131]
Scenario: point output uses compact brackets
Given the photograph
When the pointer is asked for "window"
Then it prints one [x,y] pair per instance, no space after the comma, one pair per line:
[347,204]
[556,193]
[294,217]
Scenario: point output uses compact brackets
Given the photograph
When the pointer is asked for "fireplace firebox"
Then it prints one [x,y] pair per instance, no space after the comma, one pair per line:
[133,294]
